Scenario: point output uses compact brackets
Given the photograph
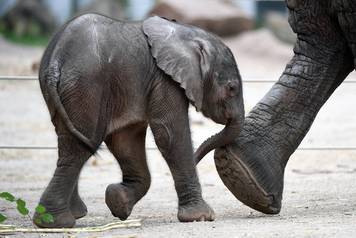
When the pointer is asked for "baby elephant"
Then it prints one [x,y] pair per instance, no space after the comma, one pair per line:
[107,80]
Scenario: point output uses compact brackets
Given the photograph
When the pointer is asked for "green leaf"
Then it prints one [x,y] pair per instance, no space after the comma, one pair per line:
[21,207]
[38,220]
[7,196]
[47,218]
[20,203]
[2,218]
[22,210]
[40,209]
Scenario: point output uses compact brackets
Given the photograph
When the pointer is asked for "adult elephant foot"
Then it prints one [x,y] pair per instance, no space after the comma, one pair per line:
[195,211]
[253,166]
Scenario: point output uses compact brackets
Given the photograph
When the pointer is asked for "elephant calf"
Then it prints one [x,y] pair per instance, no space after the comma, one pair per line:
[107,80]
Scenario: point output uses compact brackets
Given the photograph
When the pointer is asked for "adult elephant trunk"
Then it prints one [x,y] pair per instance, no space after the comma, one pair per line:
[253,166]
[224,137]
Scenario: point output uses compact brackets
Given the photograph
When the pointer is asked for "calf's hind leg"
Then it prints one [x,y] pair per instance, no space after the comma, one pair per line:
[128,147]
[77,206]
[58,194]
[61,197]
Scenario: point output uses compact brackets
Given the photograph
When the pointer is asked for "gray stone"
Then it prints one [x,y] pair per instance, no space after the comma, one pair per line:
[220,17]
[278,24]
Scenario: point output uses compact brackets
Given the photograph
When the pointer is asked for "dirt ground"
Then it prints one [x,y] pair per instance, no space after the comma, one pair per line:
[319,196]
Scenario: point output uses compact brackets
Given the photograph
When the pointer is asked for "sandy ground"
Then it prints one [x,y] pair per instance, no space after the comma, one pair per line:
[319,197]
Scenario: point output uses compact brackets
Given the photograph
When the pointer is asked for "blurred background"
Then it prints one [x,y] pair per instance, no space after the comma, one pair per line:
[30,23]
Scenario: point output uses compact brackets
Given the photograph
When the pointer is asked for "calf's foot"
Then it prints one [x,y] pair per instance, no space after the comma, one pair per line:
[61,220]
[120,200]
[78,207]
[195,211]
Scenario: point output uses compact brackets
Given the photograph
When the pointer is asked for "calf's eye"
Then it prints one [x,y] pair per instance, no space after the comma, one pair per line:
[232,88]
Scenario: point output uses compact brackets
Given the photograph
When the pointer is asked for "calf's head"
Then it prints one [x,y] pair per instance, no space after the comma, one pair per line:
[205,67]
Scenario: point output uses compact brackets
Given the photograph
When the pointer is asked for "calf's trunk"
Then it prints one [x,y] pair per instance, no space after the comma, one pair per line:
[224,137]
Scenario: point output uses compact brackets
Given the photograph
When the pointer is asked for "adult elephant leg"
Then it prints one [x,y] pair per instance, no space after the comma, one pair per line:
[345,11]
[128,147]
[253,167]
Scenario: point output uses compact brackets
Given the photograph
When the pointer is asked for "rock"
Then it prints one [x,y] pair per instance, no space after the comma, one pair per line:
[219,17]
[261,44]
[260,54]
[278,24]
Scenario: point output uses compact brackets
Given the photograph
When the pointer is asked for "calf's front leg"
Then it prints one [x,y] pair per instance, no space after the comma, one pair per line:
[170,126]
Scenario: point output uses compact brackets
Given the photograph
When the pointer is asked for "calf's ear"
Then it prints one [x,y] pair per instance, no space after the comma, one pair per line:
[180,51]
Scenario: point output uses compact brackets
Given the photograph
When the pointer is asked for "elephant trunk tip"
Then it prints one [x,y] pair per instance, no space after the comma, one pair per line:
[224,137]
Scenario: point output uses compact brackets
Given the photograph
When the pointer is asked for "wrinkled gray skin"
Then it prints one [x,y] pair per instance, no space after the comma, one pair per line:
[106,80]
[253,166]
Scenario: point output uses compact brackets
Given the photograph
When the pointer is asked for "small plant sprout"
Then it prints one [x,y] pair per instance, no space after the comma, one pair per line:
[44,216]
[23,210]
